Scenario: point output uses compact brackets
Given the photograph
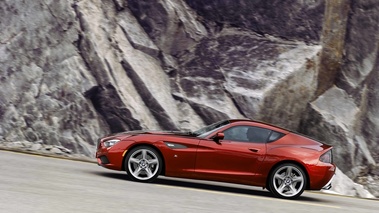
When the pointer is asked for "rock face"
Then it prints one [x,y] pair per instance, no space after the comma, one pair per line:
[72,71]
[347,115]
[334,113]
[295,20]
[277,80]
[44,77]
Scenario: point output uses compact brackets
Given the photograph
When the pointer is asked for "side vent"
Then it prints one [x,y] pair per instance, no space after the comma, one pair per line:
[174,145]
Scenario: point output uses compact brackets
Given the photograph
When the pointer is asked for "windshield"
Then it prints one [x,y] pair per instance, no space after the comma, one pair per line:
[205,131]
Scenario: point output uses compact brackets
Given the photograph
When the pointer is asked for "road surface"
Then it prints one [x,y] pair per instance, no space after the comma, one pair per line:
[30,183]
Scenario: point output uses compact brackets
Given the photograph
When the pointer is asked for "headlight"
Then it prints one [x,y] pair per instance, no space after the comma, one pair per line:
[110,143]
[327,157]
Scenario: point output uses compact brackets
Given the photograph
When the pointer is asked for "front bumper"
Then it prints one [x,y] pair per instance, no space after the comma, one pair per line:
[102,160]
[111,158]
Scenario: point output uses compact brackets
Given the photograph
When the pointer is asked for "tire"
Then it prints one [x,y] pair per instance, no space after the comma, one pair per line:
[287,181]
[143,164]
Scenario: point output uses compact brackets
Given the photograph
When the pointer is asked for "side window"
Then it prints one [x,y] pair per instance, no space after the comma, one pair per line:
[248,134]
[237,133]
[257,134]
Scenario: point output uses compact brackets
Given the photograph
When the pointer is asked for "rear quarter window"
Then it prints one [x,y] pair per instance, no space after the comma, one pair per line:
[274,136]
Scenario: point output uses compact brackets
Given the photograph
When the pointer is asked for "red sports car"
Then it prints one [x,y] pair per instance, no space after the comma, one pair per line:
[235,151]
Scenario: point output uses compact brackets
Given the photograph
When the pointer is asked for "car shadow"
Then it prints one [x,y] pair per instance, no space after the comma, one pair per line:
[211,186]
[114,175]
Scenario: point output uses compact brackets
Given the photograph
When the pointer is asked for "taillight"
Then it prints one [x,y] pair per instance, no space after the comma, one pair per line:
[327,157]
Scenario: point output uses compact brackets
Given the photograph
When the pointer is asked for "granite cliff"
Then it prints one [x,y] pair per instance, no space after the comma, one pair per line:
[74,70]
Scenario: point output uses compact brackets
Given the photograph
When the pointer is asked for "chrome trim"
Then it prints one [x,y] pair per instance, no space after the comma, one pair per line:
[175,145]
[329,184]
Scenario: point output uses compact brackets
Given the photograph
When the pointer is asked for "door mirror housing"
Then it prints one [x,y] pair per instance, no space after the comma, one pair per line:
[219,136]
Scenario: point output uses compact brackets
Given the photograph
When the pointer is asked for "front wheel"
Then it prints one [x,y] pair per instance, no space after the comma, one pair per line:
[143,164]
[287,181]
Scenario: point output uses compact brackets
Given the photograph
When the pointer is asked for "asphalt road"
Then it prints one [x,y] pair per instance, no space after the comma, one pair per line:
[30,183]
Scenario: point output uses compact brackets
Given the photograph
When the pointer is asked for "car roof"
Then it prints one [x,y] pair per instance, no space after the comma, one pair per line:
[272,125]
[256,121]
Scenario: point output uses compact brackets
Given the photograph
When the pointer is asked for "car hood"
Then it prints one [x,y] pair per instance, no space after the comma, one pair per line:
[151,132]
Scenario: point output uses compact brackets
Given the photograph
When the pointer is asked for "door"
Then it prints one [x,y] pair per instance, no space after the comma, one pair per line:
[235,158]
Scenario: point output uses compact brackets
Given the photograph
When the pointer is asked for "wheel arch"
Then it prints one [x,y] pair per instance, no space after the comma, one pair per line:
[148,145]
[284,162]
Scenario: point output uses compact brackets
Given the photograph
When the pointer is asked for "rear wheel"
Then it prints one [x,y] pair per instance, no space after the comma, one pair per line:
[287,181]
[143,164]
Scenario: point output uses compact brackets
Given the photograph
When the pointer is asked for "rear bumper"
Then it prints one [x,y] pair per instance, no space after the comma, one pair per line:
[329,184]
[321,176]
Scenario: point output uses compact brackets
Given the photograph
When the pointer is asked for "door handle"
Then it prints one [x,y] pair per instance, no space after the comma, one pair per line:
[253,150]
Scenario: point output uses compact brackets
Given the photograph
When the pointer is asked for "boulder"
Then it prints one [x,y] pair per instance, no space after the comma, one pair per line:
[343,185]
[335,115]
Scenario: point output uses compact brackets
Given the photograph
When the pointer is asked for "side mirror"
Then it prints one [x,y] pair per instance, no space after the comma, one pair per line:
[219,136]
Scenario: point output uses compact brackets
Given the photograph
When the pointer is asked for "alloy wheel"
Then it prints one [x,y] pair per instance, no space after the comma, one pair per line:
[288,181]
[143,164]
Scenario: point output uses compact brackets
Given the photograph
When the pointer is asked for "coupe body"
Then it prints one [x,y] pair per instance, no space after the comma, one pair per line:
[235,151]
